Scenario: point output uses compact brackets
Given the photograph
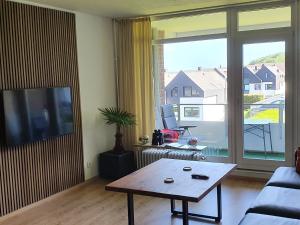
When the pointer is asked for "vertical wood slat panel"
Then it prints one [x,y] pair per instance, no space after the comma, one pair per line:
[38,49]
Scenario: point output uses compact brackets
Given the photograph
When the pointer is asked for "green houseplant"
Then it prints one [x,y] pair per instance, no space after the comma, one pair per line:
[120,118]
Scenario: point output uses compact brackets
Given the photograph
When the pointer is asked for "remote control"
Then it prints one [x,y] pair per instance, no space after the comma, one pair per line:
[200,177]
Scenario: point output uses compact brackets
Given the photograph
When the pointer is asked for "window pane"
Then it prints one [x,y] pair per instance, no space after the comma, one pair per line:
[264,19]
[199,70]
[264,100]
[187,91]
[185,26]
[174,92]
[257,87]
[191,111]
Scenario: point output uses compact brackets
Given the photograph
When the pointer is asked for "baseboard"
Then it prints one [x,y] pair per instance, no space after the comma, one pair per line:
[264,175]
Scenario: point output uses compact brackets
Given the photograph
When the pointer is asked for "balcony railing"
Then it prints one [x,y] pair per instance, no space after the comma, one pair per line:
[212,126]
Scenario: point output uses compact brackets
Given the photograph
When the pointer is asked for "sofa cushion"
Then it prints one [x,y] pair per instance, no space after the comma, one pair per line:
[277,201]
[297,160]
[285,177]
[259,219]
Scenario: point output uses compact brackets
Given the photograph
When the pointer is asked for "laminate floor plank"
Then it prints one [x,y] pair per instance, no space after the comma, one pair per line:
[90,204]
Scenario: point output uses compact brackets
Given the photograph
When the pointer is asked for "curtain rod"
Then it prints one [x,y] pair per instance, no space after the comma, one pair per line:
[158,16]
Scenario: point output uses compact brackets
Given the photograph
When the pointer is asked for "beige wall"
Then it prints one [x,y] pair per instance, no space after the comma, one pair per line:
[97,85]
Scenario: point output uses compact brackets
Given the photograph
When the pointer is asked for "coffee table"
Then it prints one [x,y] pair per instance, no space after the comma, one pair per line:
[149,181]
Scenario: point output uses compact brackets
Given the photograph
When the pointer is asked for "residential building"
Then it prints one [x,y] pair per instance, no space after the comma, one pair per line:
[264,79]
[209,85]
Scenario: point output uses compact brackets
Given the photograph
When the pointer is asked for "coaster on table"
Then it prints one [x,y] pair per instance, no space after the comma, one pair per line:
[187,168]
[169,180]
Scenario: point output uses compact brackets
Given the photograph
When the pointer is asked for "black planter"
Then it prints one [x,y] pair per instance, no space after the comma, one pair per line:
[114,165]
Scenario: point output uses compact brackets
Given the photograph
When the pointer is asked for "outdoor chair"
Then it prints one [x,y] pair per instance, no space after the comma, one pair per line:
[169,120]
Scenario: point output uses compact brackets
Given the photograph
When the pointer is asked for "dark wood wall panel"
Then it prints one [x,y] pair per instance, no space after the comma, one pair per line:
[38,49]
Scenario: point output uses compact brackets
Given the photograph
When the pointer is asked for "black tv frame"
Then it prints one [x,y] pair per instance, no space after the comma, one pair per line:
[3,138]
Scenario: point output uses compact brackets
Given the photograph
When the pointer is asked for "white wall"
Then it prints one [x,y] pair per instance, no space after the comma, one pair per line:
[97,85]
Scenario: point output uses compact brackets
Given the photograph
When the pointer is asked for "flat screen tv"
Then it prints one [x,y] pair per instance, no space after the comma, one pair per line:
[35,114]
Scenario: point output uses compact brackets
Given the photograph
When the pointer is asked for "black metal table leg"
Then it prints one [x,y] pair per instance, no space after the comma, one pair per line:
[185,213]
[264,139]
[219,203]
[130,209]
[270,133]
[172,205]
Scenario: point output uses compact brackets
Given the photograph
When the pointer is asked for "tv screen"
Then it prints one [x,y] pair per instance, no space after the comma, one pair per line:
[36,114]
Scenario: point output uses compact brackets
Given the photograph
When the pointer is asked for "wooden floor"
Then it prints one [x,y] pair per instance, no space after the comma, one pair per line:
[90,204]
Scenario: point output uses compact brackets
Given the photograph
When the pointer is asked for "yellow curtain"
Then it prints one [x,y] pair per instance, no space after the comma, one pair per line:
[134,76]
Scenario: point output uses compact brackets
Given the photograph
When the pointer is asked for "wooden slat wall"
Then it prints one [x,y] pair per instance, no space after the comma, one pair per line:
[38,49]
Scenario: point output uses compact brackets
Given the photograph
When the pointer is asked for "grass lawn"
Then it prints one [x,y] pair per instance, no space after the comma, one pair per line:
[278,156]
[268,114]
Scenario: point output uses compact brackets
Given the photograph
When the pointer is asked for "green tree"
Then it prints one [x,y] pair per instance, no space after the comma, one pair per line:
[274,58]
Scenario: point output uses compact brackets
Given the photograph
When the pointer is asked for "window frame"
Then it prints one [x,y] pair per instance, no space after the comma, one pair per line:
[184,91]
[192,110]
[233,36]
[268,86]
[257,86]
[261,9]
[195,92]
[174,92]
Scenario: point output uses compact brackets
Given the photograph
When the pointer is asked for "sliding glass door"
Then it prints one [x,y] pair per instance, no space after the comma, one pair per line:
[264,100]
[195,83]
[231,74]
[265,74]
[190,56]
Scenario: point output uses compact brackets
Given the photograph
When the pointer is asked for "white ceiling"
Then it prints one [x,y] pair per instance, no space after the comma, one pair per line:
[129,8]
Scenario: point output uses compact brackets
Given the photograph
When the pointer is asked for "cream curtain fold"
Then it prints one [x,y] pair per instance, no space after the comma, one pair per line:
[134,76]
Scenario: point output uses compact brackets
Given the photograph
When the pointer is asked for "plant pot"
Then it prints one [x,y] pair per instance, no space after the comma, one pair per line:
[114,165]
[118,148]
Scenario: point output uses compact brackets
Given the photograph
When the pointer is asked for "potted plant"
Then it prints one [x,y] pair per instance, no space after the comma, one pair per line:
[120,118]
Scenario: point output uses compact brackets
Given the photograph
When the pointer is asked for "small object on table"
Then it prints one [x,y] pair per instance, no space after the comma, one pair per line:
[169,180]
[187,168]
[200,177]
[170,136]
[193,141]
[157,138]
[144,139]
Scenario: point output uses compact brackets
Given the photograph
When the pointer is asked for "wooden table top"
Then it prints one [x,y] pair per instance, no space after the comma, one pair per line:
[150,179]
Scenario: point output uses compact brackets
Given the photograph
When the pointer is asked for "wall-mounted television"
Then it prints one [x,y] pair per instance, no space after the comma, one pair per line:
[30,115]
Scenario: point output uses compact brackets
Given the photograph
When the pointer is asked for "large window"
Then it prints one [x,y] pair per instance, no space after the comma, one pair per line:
[264,19]
[231,69]
[187,26]
[264,123]
[199,71]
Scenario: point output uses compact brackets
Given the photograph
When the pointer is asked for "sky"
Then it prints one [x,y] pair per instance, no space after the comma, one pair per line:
[211,53]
